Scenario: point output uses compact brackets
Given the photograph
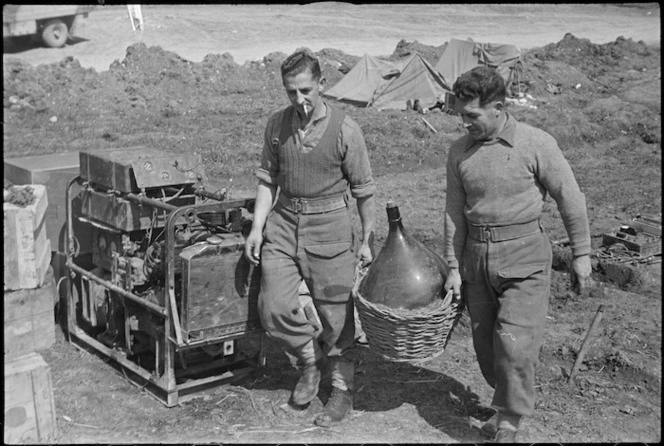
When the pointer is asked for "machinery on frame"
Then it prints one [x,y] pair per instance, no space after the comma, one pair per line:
[164,291]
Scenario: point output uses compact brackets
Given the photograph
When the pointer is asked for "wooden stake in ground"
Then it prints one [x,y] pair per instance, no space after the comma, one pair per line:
[584,346]
[430,126]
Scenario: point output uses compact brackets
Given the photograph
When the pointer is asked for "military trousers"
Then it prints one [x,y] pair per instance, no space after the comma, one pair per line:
[506,287]
[316,248]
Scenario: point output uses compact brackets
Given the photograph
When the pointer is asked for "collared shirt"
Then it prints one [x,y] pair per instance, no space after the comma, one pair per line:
[355,167]
[505,181]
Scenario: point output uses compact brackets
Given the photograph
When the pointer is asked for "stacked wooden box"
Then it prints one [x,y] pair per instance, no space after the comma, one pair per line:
[29,322]
[27,250]
[29,404]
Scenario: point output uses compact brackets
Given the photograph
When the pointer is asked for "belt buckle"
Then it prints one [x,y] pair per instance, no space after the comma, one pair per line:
[487,233]
[298,205]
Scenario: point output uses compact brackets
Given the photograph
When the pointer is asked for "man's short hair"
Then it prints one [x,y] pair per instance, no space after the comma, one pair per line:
[481,82]
[299,62]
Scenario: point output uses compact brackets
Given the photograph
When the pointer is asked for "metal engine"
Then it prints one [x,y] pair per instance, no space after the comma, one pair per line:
[164,291]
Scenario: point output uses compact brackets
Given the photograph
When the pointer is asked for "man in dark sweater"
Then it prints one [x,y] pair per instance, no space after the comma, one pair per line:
[312,153]
[498,176]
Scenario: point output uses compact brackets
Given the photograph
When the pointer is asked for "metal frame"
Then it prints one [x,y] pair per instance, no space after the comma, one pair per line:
[163,387]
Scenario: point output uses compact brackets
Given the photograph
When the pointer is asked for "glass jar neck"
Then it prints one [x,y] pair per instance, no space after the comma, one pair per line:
[393,216]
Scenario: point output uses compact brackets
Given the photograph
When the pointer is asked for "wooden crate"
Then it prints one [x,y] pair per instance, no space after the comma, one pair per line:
[644,248]
[54,171]
[649,225]
[27,250]
[29,318]
[643,236]
[29,403]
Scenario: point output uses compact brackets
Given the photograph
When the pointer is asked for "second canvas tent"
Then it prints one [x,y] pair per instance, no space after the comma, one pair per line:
[389,85]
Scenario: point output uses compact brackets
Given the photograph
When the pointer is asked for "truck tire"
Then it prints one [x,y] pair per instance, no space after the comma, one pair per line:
[55,33]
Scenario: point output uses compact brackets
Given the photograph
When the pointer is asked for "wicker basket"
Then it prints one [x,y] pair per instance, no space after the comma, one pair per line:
[406,335]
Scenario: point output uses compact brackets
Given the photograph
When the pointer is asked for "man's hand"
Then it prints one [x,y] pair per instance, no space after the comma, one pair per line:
[365,255]
[252,246]
[453,283]
[580,273]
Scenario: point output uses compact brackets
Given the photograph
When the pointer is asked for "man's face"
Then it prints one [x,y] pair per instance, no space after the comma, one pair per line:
[303,91]
[482,123]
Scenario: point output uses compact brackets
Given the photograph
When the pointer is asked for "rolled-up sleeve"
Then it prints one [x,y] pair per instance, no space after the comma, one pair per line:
[269,168]
[355,165]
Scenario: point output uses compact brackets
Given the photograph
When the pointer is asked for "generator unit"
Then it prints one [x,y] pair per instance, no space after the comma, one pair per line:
[166,294]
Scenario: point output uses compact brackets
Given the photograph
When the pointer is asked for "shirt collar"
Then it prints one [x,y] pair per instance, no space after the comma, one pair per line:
[507,134]
[509,130]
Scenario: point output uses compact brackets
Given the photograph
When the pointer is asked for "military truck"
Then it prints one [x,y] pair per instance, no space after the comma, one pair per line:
[52,24]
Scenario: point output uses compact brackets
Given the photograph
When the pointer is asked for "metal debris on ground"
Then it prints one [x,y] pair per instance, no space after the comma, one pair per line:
[637,242]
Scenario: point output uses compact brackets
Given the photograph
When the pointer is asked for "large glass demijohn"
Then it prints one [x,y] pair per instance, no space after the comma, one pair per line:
[405,274]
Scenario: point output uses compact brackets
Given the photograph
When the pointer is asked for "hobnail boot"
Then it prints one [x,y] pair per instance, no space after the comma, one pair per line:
[505,436]
[306,388]
[490,428]
[338,407]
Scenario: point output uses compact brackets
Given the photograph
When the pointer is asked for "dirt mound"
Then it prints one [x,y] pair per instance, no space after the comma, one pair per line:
[596,60]
[543,78]
[430,53]
[596,68]
[584,92]
[344,62]
[30,86]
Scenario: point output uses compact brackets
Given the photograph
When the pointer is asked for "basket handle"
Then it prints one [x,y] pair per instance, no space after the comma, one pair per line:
[448,298]
[360,272]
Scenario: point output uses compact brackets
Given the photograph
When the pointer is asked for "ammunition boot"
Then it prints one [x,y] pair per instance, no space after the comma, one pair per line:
[337,409]
[490,428]
[508,425]
[306,388]
[309,357]
[505,435]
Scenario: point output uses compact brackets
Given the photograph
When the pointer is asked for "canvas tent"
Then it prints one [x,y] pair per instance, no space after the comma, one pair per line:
[389,85]
[417,79]
[464,55]
[361,82]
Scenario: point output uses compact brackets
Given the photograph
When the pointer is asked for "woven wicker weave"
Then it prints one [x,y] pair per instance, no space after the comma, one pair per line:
[406,335]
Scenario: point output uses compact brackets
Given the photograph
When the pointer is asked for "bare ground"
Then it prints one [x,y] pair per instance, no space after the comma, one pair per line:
[179,91]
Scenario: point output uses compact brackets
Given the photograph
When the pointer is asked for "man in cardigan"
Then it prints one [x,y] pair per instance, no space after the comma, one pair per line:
[312,153]
[498,176]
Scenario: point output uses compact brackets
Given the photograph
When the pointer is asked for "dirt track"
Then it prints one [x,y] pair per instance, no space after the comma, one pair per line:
[249,32]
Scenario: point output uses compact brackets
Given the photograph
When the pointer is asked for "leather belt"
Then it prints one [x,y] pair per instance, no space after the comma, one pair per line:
[313,205]
[502,233]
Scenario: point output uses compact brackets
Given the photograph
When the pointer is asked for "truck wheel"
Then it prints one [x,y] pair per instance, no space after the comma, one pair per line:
[55,33]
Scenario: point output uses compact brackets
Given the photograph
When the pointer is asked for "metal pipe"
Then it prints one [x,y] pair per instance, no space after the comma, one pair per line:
[219,196]
[151,202]
[176,316]
[71,247]
[149,305]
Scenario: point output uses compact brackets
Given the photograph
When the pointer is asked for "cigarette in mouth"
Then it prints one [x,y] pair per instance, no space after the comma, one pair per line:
[306,113]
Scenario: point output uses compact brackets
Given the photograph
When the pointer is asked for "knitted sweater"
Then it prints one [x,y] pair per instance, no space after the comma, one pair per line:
[505,181]
[319,169]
